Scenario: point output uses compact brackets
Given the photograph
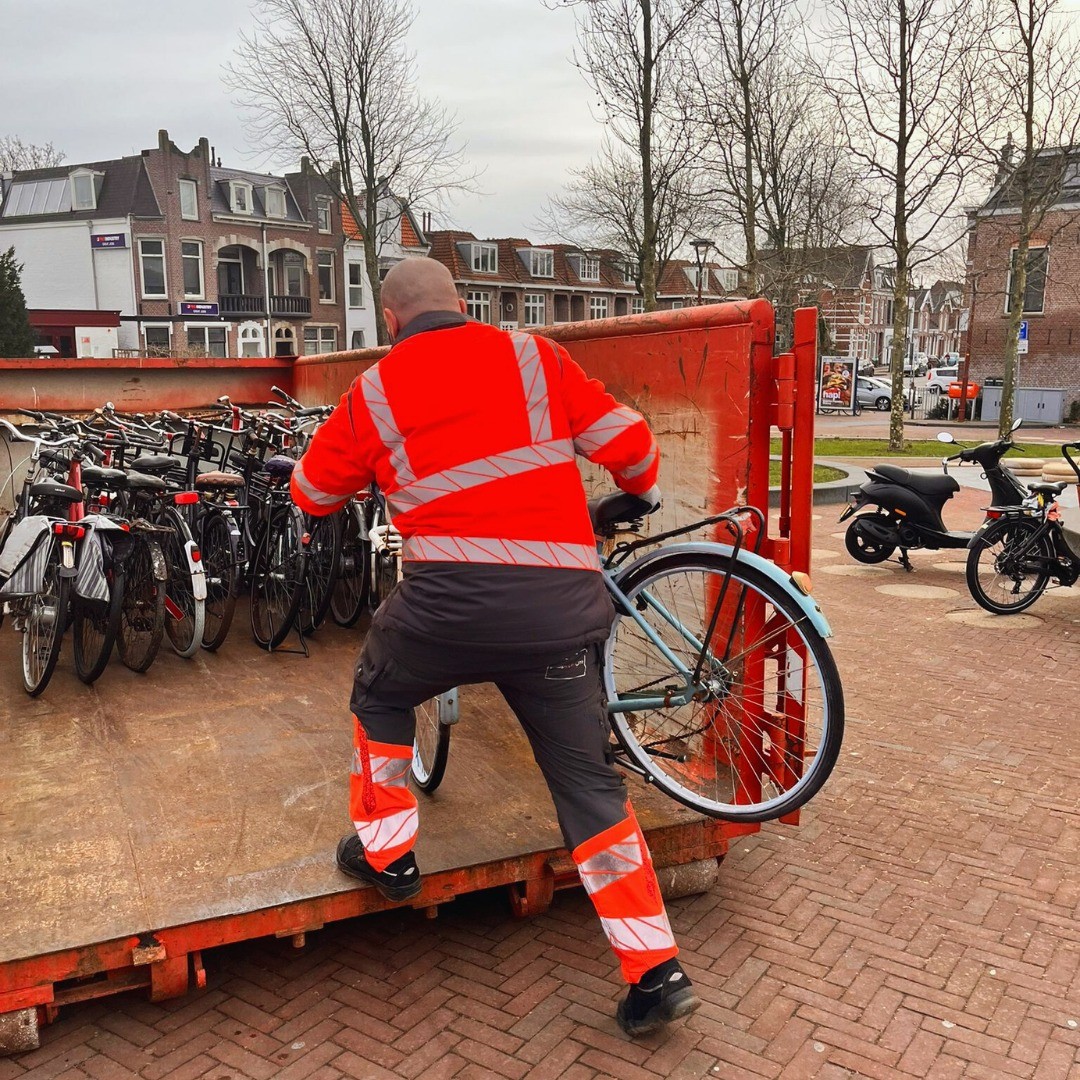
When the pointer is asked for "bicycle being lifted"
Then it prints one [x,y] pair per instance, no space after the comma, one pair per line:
[720,686]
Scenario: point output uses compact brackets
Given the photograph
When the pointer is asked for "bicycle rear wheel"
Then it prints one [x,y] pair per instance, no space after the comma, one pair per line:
[44,617]
[277,577]
[1007,569]
[323,556]
[218,542]
[765,730]
[95,626]
[431,744]
[142,609]
[350,591]
[185,601]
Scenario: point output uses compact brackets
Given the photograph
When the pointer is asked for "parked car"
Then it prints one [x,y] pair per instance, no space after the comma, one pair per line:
[938,379]
[866,367]
[915,365]
[873,394]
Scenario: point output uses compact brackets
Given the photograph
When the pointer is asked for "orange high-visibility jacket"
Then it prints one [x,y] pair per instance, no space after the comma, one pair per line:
[471,432]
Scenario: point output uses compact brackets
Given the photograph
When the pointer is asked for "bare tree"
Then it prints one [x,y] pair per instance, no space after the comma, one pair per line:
[905,75]
[632,53]
[602,206]
[1035,79]
[16,154]
[333,80]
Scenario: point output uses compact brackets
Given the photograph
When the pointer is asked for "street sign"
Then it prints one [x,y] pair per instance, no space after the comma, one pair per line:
[1022,339]
[199,309]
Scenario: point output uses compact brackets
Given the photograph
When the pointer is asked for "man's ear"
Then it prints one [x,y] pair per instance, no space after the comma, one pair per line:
[392,324]
[463,306]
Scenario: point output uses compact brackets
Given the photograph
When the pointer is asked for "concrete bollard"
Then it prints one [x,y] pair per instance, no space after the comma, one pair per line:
[688,879]
[19,1031]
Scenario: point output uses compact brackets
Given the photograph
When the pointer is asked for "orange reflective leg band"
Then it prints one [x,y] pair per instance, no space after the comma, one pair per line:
[617,872]
[382,807]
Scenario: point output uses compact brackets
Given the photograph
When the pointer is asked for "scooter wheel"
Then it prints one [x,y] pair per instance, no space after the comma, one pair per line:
[862,543]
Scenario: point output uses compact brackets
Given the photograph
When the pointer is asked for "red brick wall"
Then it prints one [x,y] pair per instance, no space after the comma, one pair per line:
[1053,359]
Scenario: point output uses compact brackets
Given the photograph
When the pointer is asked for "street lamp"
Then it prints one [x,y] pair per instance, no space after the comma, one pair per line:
[701,247]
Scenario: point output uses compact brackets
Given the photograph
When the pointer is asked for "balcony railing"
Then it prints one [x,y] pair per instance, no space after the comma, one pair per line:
[247,304]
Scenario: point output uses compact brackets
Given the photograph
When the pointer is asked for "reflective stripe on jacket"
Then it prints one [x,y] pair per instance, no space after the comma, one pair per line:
[471,433]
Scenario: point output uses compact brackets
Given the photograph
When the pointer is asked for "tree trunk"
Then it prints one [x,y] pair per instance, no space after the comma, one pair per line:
[749,194]
[648,193]
[900,246]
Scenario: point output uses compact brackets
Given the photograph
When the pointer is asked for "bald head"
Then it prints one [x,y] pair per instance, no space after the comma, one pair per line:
[417,286]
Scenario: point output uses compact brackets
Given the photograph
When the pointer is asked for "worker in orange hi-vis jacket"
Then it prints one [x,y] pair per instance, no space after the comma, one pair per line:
[470,432]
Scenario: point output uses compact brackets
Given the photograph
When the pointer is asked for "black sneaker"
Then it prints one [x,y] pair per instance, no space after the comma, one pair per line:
[663,994]
[399,881]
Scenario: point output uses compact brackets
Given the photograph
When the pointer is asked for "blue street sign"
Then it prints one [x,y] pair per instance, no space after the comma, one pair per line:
[199,309]
[1023,331]
[108,240]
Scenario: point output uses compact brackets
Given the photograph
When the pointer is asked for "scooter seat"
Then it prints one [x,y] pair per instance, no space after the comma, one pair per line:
[924,485]
[1048,488]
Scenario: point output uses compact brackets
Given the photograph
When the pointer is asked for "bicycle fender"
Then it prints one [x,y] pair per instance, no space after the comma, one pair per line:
[807,604]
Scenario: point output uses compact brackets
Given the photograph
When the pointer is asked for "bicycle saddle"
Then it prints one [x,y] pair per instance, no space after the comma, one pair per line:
[1046,488]
[280,466]
[137,481]
[96,476]
[156,463]
[925,485]
[216,480]
[606,511]
[53,489]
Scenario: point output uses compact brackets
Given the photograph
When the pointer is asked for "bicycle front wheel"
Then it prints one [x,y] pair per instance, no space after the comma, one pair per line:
[350,591]
[1007,569]
[218,542]
[185,601]
[431,745]
[764,728]
[323,556]
[142,609]
[44,617]
[95,626]
[277,577]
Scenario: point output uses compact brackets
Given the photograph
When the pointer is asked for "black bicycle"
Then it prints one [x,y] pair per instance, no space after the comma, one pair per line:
[1020,550]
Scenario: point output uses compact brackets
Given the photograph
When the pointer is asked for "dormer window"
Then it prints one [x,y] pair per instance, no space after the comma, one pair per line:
[590,268]
[630,272]
[84,190]
[239,197]
[274,201]
[541,263]
[485,258]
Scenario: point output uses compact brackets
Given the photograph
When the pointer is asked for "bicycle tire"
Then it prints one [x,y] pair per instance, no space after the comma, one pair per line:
[142,609]
[711,755]
[277,577]
[1003,565]
[185,612]
[431,743]
[94,628]
[320,574]
[43,627]
[218,543]
[350,593]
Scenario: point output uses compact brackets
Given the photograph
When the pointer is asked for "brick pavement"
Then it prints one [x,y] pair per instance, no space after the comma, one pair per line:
[922,921]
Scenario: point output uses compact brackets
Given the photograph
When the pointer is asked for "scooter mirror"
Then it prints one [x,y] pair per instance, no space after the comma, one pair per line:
[944,436]
[1017,423]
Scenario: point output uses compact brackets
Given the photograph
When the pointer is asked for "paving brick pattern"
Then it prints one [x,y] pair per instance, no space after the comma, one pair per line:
[922,921]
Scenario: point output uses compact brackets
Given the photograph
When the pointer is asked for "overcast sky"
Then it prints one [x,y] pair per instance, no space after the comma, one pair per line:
[99,80]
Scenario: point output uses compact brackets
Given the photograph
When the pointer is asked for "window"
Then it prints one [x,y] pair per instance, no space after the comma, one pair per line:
[542,263]
[1035,283]
[590,268]
[83,191]
[157,340]
[630,273]
[152,267]
[325,263]
[320,339]
[356,285]
[676,304]
[191,256]
[478,305]
[207,340]
[598,307]
[485,258]
[251,340]
[240,197]
[535,309]
[637,305]
[730,279]
[189,200]
[357,341]
[322,212]
[274,200]
[293,269]
[230,272]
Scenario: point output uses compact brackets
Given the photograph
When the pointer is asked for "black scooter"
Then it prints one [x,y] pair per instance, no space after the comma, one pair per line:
[907,507]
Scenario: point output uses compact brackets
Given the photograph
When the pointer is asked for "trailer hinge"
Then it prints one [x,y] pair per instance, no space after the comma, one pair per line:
[784,366]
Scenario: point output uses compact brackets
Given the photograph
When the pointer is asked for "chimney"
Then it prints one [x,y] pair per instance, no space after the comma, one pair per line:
[1005,162]
[163,140]
[203,149]
[333,176]
[305,165]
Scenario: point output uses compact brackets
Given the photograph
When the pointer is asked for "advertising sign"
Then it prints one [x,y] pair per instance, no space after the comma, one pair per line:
[836,384]
[108,240]
[202,310]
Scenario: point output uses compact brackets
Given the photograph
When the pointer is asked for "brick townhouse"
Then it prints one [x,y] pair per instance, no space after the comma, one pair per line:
[936,314]
[177,255]
[1051,302]
[512,282]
